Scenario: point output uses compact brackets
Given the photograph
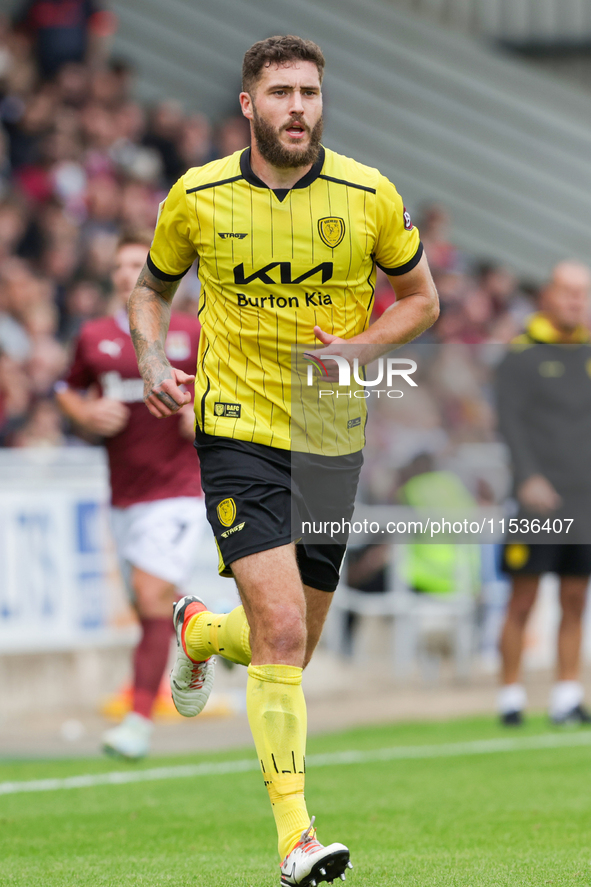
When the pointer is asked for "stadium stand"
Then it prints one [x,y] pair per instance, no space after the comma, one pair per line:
[503,147]
[506,20]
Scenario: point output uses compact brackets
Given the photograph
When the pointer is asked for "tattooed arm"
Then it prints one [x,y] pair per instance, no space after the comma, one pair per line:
[149,317]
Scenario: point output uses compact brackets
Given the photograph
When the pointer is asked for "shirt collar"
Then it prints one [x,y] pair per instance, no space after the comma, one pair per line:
[304,182]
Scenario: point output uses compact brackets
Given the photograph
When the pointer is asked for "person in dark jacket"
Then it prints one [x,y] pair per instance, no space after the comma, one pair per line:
[544,403]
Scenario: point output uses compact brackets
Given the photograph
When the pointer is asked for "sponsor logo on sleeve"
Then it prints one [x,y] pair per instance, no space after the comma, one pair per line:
[407,220]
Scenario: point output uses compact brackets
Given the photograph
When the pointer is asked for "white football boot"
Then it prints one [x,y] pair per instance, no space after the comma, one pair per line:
[309,862]
[190,681]
[131,738]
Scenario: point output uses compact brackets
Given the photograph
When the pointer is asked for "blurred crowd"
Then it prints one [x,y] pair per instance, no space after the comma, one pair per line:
[481,301]
[81,160]
[450,419]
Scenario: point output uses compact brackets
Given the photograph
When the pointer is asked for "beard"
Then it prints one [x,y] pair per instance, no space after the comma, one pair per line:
[277,154]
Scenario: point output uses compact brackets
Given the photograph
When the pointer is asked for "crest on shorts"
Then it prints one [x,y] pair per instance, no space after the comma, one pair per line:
[516,556]
[227,512]
[331,230]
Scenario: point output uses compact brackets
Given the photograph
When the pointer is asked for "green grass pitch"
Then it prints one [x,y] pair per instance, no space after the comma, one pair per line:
[519,817]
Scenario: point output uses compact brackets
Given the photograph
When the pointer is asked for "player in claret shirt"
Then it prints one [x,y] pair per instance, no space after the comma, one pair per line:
[157,510]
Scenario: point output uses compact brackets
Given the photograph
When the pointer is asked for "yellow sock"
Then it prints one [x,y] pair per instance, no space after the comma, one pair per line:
[277,715]
[227,634]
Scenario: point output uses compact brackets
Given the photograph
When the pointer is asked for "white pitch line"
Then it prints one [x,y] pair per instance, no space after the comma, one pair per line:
[331,759]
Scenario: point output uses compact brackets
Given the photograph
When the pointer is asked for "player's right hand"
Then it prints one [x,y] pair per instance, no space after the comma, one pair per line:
[105,417]
[166,397]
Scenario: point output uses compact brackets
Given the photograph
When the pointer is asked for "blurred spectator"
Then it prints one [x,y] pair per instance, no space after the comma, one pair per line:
[14,396]
[545,416]
[435,569]
[196,147]
[233,135]
[13,224]
[103,206]
[27,127]
[4,164]
[164,134]
[434,222]
[62,30]
[14,339]
[72,83]
[84,301]
[507,298]
[43,427]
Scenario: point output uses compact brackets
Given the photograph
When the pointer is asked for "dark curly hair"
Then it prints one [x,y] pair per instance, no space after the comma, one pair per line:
[278,50]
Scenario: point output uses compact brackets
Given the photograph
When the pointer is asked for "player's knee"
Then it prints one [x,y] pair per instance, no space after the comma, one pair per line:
[153,597]
[521,605]
[285,634]
[573,606]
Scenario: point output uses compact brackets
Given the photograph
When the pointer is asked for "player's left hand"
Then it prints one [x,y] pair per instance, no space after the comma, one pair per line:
[166,398]
[347,348]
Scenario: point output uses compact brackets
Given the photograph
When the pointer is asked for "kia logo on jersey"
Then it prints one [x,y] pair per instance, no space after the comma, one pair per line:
[285,273]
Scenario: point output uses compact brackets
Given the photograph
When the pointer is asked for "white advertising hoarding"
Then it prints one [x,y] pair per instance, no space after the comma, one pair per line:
[59,587]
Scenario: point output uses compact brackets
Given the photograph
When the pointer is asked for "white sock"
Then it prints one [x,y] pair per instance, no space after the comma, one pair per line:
[565,696]
[512,697]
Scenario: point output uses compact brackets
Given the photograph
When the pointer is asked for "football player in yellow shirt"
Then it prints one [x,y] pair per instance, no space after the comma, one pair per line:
[288,235]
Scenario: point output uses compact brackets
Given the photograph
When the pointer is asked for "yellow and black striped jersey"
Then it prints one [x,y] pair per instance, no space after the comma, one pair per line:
[272,265]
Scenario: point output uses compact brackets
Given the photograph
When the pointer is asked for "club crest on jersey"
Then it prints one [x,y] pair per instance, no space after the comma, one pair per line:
[231,410]
[331,230]
[226,512]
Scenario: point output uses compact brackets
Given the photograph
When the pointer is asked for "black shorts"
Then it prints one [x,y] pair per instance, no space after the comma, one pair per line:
[258,497]
[533,560]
